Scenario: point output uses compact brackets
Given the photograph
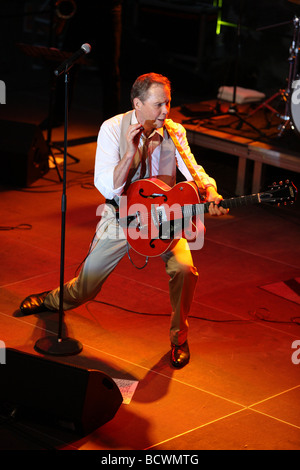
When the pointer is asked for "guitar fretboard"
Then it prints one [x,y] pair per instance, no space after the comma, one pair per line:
[234,202]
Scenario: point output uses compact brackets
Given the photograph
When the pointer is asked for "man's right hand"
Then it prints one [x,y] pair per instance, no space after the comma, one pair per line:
[123,167]
[133,138]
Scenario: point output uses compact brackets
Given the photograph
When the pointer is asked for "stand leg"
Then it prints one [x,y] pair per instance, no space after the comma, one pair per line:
[286,94]
[233,107]
[265,104]
[244,121]
[55,163]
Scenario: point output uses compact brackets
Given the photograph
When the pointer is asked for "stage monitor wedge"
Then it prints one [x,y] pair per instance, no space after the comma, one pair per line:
[76,398]
[24,153]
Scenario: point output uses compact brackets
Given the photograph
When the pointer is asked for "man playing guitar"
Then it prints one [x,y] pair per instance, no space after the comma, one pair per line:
[131,147]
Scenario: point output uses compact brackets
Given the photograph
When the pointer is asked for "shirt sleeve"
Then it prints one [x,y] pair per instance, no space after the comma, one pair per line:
[107,157]
[205,179]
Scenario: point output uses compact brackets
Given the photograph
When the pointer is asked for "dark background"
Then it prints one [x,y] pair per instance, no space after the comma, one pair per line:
[164,37]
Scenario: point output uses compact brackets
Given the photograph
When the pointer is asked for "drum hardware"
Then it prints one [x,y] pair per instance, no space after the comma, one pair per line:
[233,108]
[295,106]
[285,94]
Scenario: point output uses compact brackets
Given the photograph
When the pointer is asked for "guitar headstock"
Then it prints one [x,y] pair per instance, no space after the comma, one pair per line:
[284,192]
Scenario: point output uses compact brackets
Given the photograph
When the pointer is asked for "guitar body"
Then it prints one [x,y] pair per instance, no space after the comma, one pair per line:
[154,214]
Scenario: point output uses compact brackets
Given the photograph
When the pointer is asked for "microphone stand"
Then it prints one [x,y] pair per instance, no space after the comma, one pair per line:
[233,108]
[284,94]
[59,345]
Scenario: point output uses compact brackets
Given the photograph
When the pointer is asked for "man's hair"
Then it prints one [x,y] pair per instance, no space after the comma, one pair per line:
[142,84]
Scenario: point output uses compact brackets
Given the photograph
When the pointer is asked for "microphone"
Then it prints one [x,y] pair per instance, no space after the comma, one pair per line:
[67,64]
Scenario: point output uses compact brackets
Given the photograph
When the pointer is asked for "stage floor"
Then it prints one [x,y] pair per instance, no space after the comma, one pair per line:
[241,389]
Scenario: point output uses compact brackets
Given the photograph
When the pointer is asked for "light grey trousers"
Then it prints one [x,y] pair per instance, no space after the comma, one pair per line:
[108,248]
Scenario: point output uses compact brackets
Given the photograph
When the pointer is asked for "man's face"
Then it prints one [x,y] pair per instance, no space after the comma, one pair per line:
[155,109]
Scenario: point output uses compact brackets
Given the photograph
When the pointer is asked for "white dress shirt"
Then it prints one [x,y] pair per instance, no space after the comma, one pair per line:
[158,162]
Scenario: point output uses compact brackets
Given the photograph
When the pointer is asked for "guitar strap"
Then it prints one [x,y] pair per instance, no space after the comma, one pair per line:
[126,120]
[134,173]
[183,155]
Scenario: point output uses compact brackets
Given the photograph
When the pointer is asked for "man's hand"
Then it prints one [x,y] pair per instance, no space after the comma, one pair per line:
[215,198]
[132,138]
[123,167]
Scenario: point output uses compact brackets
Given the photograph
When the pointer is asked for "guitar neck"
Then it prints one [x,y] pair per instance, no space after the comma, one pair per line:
[233,202]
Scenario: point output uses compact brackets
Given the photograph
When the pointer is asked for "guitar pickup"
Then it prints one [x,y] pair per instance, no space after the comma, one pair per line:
[158,214]
[162,222]
[139,224]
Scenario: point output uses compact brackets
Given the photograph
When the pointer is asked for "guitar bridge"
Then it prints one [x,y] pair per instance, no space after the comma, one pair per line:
[158,214]
[162,222]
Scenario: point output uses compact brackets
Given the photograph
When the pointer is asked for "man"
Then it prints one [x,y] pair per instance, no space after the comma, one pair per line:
[131,146]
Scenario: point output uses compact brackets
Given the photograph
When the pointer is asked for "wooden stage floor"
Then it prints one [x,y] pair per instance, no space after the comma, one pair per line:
[241,389]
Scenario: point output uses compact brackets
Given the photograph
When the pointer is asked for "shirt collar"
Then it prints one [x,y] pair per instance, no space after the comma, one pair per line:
[159,131]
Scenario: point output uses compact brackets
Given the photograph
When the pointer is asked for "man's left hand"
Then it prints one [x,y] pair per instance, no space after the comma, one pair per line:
[215,199]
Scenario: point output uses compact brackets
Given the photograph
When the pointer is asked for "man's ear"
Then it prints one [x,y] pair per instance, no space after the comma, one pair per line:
[137,103]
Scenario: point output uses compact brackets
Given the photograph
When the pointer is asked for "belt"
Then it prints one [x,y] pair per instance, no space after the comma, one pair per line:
[113,203]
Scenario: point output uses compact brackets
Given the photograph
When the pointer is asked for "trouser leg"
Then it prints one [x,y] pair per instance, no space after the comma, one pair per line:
[183,279]
[107,250]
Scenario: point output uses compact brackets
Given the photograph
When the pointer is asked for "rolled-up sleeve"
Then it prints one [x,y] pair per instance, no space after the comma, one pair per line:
[205,179]
[107,157]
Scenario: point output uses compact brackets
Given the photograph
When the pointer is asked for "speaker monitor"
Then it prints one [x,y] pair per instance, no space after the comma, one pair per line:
[23,153]
[73,397]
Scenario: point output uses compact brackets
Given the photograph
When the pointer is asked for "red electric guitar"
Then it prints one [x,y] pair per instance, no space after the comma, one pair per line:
[154,216]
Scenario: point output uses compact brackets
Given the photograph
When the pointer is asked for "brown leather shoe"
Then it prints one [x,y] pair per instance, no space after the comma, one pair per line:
[34,304]
[180,355]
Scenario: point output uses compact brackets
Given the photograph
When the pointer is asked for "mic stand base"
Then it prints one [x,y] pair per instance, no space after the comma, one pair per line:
[54,346]
[51,153]
[233,111]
